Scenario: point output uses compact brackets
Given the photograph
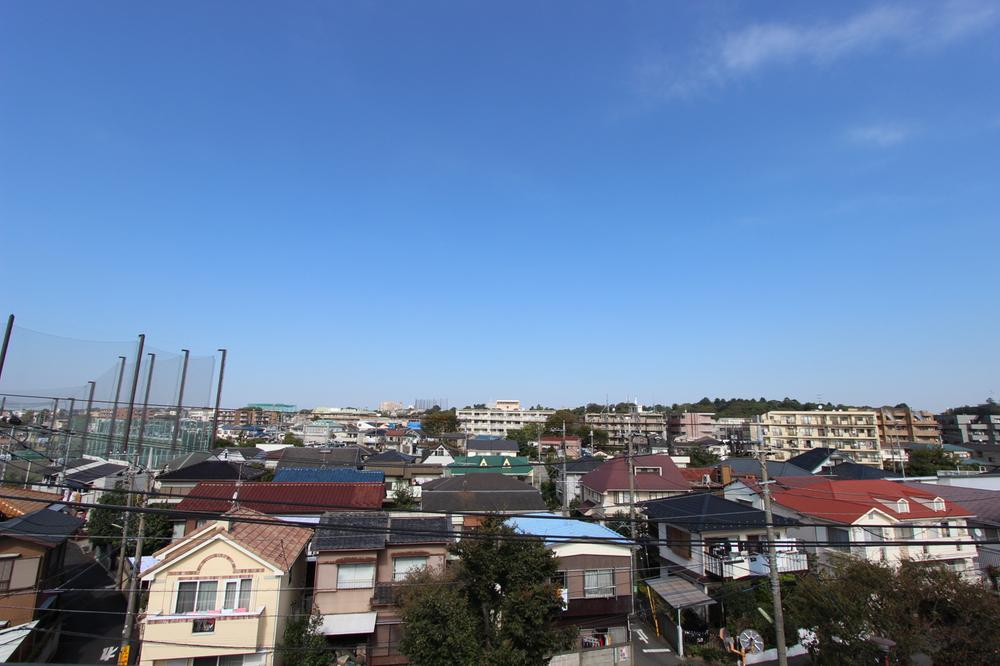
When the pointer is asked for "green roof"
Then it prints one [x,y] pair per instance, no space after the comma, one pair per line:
[514,465]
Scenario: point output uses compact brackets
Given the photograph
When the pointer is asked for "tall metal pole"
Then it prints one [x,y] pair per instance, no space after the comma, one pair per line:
[114,408]
[131,398]
[86,420]
[68,438]
[6,342]
[772,555]
[145,405]
[180,403]
[3,404]
[133,591]
[218,400]
[52,427]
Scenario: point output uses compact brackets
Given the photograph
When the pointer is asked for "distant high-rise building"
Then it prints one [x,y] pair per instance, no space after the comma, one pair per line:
[390,406]
[497,421]
[423,404]
[690,425]
[902,424]
[619,424]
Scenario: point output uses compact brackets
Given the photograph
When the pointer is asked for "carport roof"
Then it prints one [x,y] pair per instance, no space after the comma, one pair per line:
[679,592]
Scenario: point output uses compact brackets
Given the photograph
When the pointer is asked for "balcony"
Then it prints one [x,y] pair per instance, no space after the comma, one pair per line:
[745,564]
[217,633]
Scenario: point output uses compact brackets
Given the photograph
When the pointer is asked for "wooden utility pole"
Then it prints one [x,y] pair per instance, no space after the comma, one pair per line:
[772,556]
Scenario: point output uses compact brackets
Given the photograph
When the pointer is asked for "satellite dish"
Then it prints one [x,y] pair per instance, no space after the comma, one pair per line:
[751,641]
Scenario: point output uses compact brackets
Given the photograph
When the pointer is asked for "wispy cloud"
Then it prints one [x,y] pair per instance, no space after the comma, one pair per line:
[880,135]
[738,53]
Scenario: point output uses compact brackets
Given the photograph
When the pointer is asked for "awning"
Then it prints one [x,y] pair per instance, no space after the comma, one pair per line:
[678,592]
[339,624]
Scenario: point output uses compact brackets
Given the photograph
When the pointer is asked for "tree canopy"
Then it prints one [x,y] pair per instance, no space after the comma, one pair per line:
[923,608]
[499,604]
[438,422]
[987,408]
[926,462]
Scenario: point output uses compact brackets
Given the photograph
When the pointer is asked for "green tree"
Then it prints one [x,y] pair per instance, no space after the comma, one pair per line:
[554,423]
[926,462]
[303,643]
[439,422]
[525,438]
[703,458]
[291,440]
[501,594]
[922,607]
[441,627]
[403,498]
[104,524]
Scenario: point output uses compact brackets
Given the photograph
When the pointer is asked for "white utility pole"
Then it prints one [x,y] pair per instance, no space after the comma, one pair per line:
[772,556]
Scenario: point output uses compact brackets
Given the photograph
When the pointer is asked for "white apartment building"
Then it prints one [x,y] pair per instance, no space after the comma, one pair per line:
[497,420]
[853,432]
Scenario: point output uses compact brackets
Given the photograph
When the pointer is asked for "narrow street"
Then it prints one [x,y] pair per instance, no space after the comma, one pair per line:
[650,649]
[104,619]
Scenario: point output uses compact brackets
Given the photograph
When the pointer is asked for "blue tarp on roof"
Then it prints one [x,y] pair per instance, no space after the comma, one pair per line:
[328,475]
[555,529]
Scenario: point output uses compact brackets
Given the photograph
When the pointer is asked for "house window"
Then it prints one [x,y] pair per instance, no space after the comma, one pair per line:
[402,566]
[353,576]
[196,595]
[203,626]
[599,583]
[236,594]
[6,569]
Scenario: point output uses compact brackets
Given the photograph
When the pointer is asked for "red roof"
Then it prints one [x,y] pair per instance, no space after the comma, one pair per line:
[696,476]
[559,438]
[847,501]
[613,475]
[276,541]
[285,498]
[396,432]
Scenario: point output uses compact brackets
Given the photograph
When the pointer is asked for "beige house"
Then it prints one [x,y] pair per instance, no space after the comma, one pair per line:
[222,595]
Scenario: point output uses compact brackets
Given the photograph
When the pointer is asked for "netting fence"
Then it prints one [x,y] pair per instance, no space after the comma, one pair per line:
[74,396]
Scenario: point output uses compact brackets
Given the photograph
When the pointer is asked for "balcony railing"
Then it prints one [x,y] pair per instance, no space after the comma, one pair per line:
[744,564]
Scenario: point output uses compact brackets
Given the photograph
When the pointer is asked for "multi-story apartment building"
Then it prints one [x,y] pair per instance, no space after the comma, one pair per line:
[852,432]
[966,429]
[902,424]
[506,415]
[732,429]
[619,424]
[253,416]
[690,425]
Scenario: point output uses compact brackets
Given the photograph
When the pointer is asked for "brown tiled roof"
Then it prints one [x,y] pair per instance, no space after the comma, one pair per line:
[20,501]
[277,542]
[284,498]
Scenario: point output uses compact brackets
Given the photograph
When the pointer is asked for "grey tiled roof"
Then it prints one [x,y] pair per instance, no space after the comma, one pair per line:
[366,530]
[419,530]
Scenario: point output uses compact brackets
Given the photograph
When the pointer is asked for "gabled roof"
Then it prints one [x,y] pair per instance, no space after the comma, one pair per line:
[87,476]
[328,475]
[847,501]
[187,459]
[555,530]
[985,504]
[284,498]
[392,458]
[613,475]
[371,530]
[274,541]
[848,471]
[702,512]
[45,527]
[213,470]
[20,501]
[812,460]
[751,467]
[480,492]
[513,465]
[581,465]
[327,456]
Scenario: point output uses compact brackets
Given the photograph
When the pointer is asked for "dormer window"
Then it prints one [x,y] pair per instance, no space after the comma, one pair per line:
[902,506]
[647,470]
[938,504]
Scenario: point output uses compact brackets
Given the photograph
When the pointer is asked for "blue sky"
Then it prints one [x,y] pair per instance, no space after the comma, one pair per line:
[554,201]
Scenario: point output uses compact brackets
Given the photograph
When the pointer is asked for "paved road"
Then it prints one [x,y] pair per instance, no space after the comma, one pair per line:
[654,650]
[96,593]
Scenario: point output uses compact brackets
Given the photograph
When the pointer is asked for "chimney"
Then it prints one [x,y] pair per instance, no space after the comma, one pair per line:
[725,474]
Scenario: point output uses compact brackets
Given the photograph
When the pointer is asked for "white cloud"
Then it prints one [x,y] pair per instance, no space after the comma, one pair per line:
[880,136]
[906,27]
